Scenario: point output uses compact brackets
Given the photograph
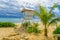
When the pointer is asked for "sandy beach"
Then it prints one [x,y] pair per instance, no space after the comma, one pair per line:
[4,32]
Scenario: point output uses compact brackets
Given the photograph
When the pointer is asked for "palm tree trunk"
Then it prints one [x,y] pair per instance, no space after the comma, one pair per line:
[45,34]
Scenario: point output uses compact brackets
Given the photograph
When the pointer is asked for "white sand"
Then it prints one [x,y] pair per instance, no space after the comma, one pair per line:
[8,31]
[5,32]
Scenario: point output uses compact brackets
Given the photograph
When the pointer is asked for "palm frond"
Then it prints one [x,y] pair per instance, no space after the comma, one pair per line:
[36,14]
[54,6]
[46,16]
[50,16]
[42,17]
[55,20]
[42,9]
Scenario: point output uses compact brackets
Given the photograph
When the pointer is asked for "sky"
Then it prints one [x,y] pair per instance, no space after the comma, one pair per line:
[11,8]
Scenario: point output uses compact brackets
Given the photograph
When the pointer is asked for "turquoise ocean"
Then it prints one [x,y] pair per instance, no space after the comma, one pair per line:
[15,20]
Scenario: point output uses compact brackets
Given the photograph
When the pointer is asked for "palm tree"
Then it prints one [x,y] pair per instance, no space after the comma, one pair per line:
[46,17]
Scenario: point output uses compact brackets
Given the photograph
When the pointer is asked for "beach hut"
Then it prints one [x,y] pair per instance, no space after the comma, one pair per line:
[28,14]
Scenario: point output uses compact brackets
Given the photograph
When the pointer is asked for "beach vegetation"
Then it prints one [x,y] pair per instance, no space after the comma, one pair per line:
[47,17]
[31,28]
[7,24]
[26,24]
[57,30]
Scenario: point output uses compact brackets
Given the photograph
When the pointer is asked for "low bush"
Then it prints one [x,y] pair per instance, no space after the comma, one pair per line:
[33,30]
[7,24]
[35,24]
[57,30]
[26,24]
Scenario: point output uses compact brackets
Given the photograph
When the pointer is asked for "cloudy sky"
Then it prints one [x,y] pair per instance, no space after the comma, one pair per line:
[12,7]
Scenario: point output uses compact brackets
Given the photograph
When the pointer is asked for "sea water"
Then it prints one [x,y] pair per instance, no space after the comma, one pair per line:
[15,20]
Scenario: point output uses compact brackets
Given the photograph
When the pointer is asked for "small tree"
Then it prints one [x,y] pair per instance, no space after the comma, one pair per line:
[46,17]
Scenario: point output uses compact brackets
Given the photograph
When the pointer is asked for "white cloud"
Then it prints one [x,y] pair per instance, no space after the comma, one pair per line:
[6,6]
[56,10]
[34,2]
[5,0]
[29,3]
[48,3]
[3,5]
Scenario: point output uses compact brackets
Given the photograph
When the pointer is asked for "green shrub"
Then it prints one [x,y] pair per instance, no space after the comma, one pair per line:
[36,30]
[33,30]
[57,30]
[35,24]
[58,38]
[30,29]
[7,24]
[26,24]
